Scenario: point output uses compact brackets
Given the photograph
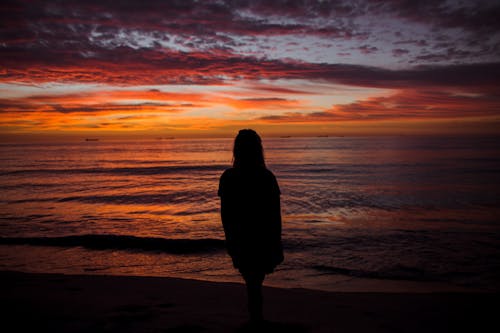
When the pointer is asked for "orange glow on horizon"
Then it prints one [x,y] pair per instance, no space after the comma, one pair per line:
[221,110]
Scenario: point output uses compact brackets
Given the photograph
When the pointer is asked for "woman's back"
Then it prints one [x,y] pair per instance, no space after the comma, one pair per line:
[251,217]
[251,195]
[250,207]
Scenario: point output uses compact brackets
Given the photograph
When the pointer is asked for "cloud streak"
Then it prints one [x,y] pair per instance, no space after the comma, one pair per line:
[125,66]
[405,104]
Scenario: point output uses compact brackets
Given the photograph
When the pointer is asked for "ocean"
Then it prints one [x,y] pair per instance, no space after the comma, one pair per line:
[376,208]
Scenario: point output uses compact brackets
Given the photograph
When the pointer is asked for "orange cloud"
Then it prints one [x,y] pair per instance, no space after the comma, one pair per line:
[132,109]
[405,104]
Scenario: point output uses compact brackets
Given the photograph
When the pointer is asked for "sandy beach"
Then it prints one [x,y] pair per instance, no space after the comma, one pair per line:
[97,303]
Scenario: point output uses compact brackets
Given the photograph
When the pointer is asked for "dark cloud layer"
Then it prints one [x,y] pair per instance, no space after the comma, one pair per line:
[68,33]
[126,66]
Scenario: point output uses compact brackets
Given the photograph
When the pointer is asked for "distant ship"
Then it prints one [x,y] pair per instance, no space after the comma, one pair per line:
[91,139]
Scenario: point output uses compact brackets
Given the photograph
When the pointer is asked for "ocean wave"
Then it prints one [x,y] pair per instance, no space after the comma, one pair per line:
[153,170]
[122,242]
[397,272]
[178,196]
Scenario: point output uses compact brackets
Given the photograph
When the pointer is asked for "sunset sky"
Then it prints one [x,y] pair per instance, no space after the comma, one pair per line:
[206,68]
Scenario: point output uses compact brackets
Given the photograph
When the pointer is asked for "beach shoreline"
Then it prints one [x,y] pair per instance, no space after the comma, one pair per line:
[105,303]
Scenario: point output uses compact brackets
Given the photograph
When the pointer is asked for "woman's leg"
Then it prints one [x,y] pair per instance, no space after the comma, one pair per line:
[254,282]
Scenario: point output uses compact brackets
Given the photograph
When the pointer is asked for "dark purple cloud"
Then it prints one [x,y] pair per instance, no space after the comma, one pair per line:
[57,21]
[367,49]
[399,52]
[160,42]
[128,66]
[476,16]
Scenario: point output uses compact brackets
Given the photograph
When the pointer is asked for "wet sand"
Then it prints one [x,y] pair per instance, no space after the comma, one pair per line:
[98,303]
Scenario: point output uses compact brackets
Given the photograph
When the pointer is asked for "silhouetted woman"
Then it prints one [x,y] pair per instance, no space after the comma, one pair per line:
[251,216]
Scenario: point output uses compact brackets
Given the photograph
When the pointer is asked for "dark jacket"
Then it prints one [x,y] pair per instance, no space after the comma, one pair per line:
[251,216]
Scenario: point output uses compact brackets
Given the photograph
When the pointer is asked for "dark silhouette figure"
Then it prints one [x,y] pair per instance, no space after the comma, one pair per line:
[251,217]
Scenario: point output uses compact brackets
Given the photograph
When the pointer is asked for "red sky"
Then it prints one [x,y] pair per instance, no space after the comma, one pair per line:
[207,68]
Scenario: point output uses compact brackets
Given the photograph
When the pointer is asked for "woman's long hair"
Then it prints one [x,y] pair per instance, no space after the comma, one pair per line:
[247,150]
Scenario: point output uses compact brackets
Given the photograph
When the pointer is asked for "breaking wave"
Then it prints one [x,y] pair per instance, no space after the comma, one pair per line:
[122,242]
[154,170]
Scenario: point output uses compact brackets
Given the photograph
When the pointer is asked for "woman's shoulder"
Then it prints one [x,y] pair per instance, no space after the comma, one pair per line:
[265,174]
[228,173]
[229,176]
[267,179]
[247,173]
[268,173]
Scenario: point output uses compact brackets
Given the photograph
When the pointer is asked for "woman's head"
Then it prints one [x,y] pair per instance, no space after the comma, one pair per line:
[247,150]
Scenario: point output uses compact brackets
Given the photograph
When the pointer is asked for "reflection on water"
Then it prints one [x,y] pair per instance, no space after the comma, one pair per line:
[391,208]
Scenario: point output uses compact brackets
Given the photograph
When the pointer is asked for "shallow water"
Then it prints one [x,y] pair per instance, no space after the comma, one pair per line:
[394,208]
